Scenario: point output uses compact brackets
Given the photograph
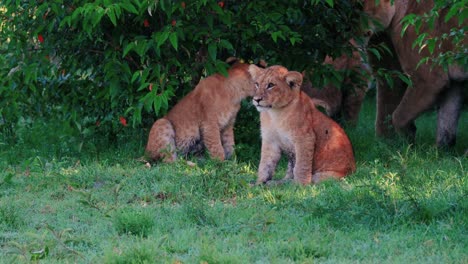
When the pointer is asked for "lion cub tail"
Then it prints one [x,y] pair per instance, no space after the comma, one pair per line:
[161,141]
[322,104]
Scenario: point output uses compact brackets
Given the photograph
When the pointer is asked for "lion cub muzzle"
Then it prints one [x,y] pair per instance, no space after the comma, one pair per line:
[258,102]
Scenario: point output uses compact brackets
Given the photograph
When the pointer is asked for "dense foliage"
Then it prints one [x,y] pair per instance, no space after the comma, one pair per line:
[103,65]
[101,62]
[447,10]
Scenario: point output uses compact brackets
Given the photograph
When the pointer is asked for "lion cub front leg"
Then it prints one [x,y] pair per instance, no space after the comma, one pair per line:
[270,156]
[227,139]
[211,136]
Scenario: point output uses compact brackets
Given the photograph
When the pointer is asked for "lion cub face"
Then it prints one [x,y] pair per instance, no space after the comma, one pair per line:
[275,87]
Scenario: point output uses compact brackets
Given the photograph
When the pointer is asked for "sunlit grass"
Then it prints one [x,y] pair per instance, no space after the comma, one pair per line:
[102,205]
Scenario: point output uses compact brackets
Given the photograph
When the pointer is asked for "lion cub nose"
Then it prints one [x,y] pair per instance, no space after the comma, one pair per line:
[257,99]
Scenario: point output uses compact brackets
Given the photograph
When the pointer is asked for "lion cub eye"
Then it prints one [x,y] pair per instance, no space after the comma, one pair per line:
[270,85]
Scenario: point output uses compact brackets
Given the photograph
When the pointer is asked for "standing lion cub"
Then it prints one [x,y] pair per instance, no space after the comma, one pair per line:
[316,146]
[203,118]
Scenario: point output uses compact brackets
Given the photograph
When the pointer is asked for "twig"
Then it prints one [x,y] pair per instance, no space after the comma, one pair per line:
[57,237]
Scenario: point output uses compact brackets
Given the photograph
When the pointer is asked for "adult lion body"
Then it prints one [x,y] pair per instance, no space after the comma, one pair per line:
[343,104]
[432,86]
[203,118]
[316,146]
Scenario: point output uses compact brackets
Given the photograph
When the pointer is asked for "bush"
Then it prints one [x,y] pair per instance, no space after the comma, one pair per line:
[105,63]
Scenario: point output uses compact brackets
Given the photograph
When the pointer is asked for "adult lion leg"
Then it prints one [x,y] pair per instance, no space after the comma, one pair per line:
[416,100]
[227,139]
[448,115]
[161,141]
[211,137]
[388,97]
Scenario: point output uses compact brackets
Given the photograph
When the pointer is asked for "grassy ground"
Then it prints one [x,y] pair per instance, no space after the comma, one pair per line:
[101,205]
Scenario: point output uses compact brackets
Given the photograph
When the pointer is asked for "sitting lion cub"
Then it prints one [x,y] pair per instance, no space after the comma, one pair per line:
[203,118]
[316,146]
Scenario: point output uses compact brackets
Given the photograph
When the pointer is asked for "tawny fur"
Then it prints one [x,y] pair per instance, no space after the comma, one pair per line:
[316,146]
[343,104]
[204,118]
[398,107]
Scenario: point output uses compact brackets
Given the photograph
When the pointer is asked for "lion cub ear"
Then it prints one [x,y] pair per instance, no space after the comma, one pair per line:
[262,64]
[255,71]
[232,60]
[294,79]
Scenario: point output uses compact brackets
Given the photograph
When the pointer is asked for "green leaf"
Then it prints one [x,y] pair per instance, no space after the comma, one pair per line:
[157,104]
[406,79]
[462,16]
[330,2]
[293,41]
[375,52]
[129,7]
[419,40]
[431,45]
[173,39]
[212,50]
[162,38]
[65,21]
[135,76]
[226,44]
[422,61]
[386,49]
[389,79]
[274,36]
[141,47]
[221,67]
[406,22]
[162,3]
[111,15]
[144,75]
[210,21]
[128,48]
[143,86]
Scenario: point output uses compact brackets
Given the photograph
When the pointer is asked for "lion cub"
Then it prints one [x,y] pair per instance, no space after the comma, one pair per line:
[316,146]
[203,118]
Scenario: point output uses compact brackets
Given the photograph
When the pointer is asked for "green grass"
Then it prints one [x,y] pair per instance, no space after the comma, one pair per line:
[405,204]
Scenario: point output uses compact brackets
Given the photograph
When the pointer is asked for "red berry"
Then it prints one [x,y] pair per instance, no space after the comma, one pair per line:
[123,121]
[146,23]
[221,4]
[150,87]
[40,38]
[173,23]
